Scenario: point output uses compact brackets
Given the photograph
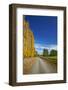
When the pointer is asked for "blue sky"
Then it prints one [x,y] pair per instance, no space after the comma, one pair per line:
[44,29]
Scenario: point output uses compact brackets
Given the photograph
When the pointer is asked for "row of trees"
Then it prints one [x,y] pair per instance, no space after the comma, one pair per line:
[52,52]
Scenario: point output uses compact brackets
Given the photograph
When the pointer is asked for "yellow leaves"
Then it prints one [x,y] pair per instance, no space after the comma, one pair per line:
[29,50]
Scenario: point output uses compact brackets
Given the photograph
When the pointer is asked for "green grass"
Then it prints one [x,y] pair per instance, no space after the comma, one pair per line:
[52,59]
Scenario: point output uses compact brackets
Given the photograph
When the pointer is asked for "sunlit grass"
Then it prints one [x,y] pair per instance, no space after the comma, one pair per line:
[52,59]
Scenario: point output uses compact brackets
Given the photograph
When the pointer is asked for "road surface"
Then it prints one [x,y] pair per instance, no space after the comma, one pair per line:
[43,66]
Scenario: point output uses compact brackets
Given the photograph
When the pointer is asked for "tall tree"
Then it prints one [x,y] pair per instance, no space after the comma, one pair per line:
[53,53]
[45,52]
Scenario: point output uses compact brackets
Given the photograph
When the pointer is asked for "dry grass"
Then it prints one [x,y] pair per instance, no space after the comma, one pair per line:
[27,65]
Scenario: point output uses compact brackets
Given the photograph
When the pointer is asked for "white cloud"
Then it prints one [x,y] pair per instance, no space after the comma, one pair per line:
[40,47]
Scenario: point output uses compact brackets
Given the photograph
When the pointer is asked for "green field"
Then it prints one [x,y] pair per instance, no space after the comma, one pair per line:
[52,59]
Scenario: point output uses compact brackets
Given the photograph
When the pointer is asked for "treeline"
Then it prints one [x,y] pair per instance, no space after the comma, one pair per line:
[51,53]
